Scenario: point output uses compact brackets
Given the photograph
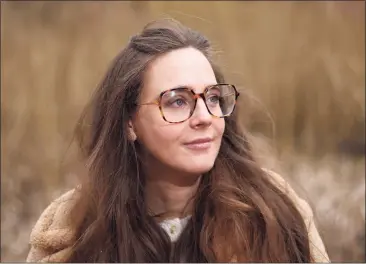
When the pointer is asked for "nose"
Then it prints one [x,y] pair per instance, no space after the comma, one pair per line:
[200,116]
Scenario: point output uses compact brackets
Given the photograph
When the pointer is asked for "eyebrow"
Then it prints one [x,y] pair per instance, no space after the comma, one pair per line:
[188,87]
[180,87]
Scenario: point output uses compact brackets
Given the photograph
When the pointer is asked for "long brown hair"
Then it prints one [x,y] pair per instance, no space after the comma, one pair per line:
[239,214]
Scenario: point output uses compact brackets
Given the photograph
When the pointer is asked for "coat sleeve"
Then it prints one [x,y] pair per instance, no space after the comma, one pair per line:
[317,247]
[51,238]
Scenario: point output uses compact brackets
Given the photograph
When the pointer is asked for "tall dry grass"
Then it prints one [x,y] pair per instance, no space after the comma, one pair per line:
[304,61]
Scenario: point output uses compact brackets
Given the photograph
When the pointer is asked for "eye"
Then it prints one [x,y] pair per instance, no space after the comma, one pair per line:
[213,99]
[179,102]
[176,103]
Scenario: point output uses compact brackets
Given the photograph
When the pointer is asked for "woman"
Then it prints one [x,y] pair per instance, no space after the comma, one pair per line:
[170,177]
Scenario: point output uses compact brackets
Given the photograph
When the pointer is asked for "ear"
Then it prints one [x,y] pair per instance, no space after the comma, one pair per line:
[131,132]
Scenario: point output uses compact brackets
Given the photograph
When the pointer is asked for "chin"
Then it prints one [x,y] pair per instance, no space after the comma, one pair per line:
[198,166]
[200,170]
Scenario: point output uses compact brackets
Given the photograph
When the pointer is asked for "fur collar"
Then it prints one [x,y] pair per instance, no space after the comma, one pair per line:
[51,238]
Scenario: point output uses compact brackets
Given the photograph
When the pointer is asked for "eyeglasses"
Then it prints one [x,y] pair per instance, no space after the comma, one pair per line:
[178,104]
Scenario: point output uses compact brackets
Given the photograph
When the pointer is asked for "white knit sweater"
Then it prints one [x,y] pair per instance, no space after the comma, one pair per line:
[174,227]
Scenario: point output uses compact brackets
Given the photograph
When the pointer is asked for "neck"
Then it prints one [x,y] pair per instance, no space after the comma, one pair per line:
[170,195]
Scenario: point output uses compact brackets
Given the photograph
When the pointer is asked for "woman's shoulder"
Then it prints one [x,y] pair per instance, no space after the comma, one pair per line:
[316,244]
[52,236]
[282,184]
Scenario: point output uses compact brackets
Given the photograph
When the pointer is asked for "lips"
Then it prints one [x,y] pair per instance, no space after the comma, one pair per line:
[199,144]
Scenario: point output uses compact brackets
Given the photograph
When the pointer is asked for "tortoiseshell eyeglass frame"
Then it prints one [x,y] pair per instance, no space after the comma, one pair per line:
[194,96]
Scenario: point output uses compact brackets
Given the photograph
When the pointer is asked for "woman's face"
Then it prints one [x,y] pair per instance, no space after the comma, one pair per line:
[172,144]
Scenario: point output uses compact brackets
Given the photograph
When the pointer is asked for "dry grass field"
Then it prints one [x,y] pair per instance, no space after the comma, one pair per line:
[299,65]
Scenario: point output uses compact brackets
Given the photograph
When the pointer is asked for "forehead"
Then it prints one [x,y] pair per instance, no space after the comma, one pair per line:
[182,67]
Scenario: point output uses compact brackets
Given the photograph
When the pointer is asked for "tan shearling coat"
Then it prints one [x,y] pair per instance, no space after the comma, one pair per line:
[51,237]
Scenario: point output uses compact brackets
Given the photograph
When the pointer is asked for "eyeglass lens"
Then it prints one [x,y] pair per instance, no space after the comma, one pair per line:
[178,105]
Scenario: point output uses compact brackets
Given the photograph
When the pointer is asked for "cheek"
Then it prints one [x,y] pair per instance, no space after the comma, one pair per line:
[219,126]
[158,137]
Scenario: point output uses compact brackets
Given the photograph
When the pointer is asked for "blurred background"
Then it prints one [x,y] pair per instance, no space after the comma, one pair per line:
[301,64]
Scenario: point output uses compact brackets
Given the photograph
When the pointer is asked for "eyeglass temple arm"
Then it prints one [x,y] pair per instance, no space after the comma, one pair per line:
[151,103]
